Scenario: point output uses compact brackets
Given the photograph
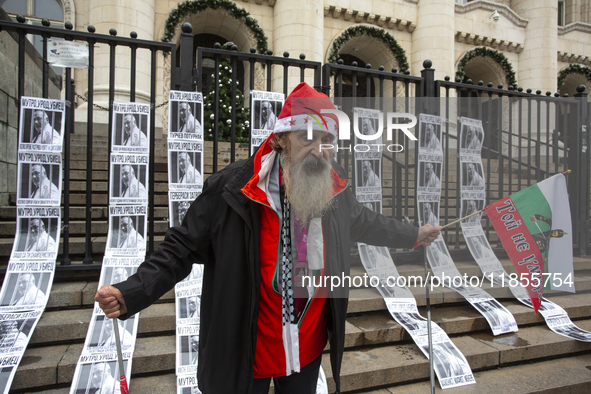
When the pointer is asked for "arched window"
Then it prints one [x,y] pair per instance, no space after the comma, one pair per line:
[35,11]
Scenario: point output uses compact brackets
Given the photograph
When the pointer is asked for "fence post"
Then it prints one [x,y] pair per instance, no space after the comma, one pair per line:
[428,101]
[186,66]
[584,171]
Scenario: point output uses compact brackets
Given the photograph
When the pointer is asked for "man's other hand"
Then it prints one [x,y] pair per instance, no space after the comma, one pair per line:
[428,234]
[111,301]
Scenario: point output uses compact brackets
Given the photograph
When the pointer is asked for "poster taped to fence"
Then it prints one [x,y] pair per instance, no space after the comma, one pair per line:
[71,54]
[129,179]
[26,285]
[185,165]
[99,373]
[185,115]
[42,123]
[265,108]
[178,204]
[131,127]
[39,179]
[37,233]
[127,230]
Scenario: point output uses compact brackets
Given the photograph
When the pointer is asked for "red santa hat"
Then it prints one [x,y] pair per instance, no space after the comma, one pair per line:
[303,106]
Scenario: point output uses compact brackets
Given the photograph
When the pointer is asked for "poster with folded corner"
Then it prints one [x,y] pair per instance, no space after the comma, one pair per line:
[368,153]
[99,373]
[185,165]
[188,304]
[42,124]
[26,285]
[178,204]
[187,349]
[8,365]
[127,231]
[37,233]
[131,128]
[101,336]
[450,365]
[187,384]
[129,178]
[185,115]
[16,330]
[265,108]
[39,179]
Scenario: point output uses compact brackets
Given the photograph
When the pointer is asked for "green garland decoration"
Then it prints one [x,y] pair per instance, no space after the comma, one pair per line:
[196,6]
[493,54]
[573,69]
[374,32]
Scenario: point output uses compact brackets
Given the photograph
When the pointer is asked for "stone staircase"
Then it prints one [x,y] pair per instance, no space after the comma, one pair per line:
[380,357]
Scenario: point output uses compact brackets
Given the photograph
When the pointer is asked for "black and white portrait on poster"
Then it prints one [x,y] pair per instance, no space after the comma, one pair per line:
[94,374]
[129,179]
[131,127]
[472,176]
[429,176]
[185,115]
[368,172]
[127,231]
[178,204]
[430,134]
[37,233]
[187,349]
[113,275]
[469,207]
[42,124]
[39,179]
[265,108]
[185,165]
[472,136]
[101,336]
[25,290]
[188,302]
[429,213]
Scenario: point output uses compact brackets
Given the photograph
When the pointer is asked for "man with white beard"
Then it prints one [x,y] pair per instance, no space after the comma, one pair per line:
[287,208]
[38,239]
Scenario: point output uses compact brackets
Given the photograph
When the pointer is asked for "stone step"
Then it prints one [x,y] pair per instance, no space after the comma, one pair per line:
[363,368]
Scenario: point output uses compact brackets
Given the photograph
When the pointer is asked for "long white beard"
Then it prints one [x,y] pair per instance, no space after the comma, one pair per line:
[308,185]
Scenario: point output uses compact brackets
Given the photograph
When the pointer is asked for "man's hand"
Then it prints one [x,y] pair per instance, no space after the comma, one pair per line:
[111,301]
[428,234]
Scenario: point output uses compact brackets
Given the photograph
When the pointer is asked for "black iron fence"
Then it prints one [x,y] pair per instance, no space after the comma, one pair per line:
[528,136]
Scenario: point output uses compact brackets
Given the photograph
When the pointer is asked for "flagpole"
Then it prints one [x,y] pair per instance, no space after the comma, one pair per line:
[429,331]
[464,218]
[122,379]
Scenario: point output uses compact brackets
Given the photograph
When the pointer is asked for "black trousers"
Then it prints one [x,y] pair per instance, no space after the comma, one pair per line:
[297,383]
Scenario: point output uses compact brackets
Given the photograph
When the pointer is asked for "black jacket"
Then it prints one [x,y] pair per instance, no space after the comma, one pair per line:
[222,231]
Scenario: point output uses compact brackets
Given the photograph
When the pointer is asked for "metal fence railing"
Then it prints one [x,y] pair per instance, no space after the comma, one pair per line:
[528,136]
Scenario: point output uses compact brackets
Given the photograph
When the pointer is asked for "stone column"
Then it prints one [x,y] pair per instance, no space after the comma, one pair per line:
[124,17]
[299,28]
[538,60]
[434,37]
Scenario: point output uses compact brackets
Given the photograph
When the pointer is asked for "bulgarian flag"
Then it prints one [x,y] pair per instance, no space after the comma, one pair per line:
[535,228]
